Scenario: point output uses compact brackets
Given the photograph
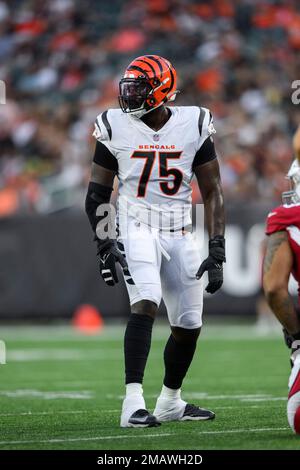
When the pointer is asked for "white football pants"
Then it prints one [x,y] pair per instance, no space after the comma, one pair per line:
[164,265]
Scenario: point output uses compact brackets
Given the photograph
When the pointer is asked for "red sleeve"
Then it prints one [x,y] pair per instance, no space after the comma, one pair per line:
[282,217]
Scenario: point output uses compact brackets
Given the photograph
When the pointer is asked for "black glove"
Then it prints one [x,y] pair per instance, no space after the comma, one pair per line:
[213,264]
[109,255]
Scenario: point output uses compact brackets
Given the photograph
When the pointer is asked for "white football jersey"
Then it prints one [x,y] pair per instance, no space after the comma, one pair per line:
[155,167]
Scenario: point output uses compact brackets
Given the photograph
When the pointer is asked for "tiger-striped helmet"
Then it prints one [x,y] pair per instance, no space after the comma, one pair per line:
[149,81]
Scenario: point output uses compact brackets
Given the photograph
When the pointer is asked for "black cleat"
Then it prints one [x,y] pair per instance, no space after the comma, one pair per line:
[143,419]
[194,413]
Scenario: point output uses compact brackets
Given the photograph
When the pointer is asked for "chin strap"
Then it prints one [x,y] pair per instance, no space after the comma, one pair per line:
[141,112]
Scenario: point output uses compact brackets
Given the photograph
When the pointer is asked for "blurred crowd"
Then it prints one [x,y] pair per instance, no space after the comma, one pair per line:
[61,61]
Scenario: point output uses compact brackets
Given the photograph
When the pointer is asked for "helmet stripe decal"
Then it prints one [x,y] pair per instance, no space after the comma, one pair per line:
[171,73]
[106,123]
[135,67]
[149,65]
[157,62]
[172,78]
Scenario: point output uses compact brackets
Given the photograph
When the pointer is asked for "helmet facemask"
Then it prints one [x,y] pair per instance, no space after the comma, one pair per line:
[134,94]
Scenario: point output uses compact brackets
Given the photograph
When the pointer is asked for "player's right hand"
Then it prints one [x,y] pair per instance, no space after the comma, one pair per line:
[109,255]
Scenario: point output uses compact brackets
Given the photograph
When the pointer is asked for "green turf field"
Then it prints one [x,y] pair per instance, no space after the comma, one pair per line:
[60,390]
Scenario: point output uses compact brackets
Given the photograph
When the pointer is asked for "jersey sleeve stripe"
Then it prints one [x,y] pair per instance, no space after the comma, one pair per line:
[201,119]
[106,123]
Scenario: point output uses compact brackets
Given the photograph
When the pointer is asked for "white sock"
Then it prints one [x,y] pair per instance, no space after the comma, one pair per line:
[134,389]
[133,401]
[170,393]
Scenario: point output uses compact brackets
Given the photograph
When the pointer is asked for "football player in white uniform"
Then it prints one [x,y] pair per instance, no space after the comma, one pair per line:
[154,151]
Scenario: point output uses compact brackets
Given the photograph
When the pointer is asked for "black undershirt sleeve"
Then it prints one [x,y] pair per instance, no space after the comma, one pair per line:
[105,158]
[97,194]
[206,153]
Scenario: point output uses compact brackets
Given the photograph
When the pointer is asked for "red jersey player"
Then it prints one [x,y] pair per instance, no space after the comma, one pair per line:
[282,258]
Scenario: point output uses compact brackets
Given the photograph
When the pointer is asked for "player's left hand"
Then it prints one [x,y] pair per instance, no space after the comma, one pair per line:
[213,264]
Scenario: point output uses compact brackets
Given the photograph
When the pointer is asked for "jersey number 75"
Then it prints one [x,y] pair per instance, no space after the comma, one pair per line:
[167,187]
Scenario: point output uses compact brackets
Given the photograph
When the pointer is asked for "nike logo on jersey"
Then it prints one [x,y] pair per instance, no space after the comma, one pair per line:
[272,213]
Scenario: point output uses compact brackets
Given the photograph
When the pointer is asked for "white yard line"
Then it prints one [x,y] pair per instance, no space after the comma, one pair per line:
[232,431]
[51,354]
[66,354]
[103,411]
[140,436]
[99,438]
[48,395]
[257,397]
[245,400]
[54,412]
[238,407]
[58,333]
[240,396]
[88,394]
